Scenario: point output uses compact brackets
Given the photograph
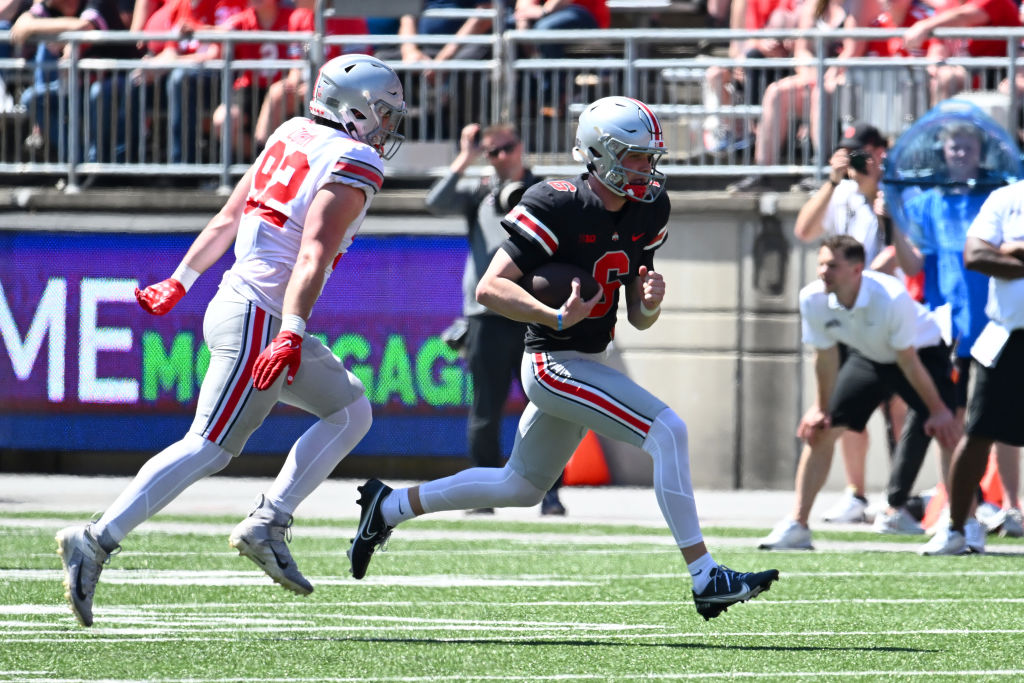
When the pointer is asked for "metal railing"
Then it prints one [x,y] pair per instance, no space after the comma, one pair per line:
[82,116]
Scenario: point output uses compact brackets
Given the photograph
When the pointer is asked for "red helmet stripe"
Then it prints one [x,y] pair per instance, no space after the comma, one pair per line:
[655,125]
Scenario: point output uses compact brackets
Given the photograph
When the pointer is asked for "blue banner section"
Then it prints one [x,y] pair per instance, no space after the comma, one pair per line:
[84,368]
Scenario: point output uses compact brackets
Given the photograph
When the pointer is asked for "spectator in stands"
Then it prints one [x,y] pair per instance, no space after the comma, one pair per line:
[250,86]
[895,346]
[558,15]
[411,26]
[726,86]
[938,220]
[287,96]
[946,80]
[454,113]
[111,97]
[844,205]
[9,11]
[191,92]
[995,247]
[788,100]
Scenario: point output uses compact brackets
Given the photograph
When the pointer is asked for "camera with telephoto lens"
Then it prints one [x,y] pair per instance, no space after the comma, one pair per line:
[859,160]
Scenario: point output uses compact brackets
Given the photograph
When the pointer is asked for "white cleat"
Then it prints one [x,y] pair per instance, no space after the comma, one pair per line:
[263,537]
[83,560]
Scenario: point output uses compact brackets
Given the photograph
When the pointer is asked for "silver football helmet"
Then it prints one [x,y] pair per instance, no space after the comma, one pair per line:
[365,96]
[609,129]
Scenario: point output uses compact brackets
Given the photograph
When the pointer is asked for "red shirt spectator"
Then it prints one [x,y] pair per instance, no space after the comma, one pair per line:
[894,47]
[248,20]
[302,19]
[599,8]
[178,14]
[956,13]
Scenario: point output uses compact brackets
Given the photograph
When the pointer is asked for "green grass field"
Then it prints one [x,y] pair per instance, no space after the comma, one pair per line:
[485,600]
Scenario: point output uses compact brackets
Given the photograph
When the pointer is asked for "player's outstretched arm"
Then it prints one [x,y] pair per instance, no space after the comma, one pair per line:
[208,247]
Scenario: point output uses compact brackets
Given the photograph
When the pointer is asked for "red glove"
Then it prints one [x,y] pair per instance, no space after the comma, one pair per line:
[161,297]
[284,351]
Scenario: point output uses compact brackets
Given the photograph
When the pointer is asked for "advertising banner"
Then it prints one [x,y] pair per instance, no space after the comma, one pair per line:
[82,367]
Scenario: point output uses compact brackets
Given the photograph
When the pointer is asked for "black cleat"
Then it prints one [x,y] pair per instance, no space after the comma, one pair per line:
[372,531]
[727,587]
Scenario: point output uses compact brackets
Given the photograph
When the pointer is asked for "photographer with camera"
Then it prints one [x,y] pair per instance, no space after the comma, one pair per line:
[846,204]
[492,344]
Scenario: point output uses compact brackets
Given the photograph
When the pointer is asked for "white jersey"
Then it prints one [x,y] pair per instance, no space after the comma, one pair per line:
[300,158]
[883,319]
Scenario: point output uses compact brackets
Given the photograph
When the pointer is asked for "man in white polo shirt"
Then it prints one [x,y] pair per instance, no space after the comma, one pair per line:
[995,247]
[894,348]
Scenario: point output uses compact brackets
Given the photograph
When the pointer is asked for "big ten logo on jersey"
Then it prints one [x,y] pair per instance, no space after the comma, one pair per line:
[276,182]
[562,185]
[608,271]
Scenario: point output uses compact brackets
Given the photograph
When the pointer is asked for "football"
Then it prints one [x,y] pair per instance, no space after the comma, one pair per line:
[551,283]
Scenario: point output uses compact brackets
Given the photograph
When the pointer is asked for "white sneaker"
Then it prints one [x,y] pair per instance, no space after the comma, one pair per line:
[83,558]
[974,535]
[990,516]
[945,542]
[849,508]
[899,521]
[788,534]
[262,537]
[1013,523]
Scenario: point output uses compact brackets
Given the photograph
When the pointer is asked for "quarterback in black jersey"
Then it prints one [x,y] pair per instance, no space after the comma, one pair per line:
[609,221]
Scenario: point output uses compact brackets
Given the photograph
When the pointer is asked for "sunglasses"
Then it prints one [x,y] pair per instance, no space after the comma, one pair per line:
[507,147]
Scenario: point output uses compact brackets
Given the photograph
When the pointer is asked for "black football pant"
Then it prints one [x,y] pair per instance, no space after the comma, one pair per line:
[494,351]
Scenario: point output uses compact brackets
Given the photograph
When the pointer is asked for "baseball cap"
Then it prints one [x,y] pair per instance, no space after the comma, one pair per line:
[857,135]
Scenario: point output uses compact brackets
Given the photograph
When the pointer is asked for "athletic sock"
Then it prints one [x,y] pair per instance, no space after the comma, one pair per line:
[396,508]
[700,570]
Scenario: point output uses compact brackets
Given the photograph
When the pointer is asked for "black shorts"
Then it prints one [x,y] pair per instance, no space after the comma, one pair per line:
[996,408]
[862,384]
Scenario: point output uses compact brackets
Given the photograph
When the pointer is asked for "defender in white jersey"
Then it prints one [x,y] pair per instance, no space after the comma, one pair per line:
[291,216]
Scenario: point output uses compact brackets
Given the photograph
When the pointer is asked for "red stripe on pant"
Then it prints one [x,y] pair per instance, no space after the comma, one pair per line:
[244,378]
[599,402]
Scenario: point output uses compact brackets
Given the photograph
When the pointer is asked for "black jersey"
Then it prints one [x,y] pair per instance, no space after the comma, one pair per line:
[566,222]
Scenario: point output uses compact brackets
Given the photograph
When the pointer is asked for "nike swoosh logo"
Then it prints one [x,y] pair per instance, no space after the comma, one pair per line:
[738,593]
[78,585]
[363,528]
[277,558]
[400,511]
[637,237]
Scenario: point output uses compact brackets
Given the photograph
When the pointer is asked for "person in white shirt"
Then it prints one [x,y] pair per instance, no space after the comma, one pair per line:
[290,218]
[845,204]
[894,347]
[995,247]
